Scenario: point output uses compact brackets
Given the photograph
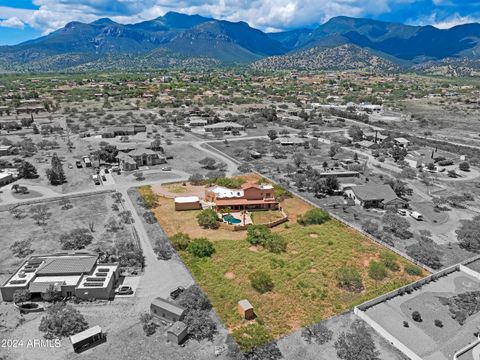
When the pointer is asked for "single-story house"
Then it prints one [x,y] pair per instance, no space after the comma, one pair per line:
[166,310]
[375,196]
[70,274]
[374,136]
[224,126]
[124,130]
[177,332]
[187,203]
[5,178]
[6,150]
[196,122]
[339,174]
[401,142]
[287,141]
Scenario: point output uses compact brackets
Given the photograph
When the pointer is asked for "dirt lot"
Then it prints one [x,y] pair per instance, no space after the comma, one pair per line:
[424,338]
[94,209]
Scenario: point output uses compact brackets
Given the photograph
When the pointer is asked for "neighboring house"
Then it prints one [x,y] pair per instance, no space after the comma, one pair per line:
[224,126]
[197,122]
[70,274]
[124,130]
[166,310]
[187,203]
[339,174]
[401,142]
[5,178]
[251,196]
[375,196]
[6,150]
[374,136]
[146,157]
[177,332]
[136,158]
[286,141]
[366,144]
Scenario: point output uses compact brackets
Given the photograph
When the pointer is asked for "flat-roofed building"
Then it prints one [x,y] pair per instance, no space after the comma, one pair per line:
[224,126]
[68,273]
[187,203]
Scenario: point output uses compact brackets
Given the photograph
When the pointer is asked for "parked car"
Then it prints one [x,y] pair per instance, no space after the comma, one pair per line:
[104,178]
[175,293]
[70,166]
[107,171]
[95,179]
[416,215]
[403,212]
[78,163]
[166,168]
[124,290]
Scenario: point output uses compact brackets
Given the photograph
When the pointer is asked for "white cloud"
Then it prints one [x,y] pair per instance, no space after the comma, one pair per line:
[263,14]
[13,22]
[445,22]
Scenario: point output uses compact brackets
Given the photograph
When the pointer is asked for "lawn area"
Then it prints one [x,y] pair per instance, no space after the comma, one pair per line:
[306,272]
[263,217]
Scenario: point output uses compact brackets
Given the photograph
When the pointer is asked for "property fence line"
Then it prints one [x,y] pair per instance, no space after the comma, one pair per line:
[389,337]
[7,207]
[357,228]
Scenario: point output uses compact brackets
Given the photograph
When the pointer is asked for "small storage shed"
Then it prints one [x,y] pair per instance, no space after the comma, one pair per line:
[246,310]
[88,338]
[187,203]
[177,332]
[166,310]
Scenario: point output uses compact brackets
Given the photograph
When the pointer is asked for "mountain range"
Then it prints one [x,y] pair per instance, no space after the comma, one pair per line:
[179,40]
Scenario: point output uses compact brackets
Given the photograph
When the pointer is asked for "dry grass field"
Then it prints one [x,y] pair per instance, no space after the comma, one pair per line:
[306,272]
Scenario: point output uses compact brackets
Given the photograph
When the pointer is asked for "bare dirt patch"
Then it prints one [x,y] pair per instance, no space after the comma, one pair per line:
[229,275]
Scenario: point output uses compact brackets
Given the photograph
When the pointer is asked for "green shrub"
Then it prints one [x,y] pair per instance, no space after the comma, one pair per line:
[414,270]
[314,217]
[416,316]
[377,270]
[180,241]
[389,260]
[201,247]
[261,235]
[252,335]
[275,244]
[208,219]
[261,281]
[349,278]
[257,234]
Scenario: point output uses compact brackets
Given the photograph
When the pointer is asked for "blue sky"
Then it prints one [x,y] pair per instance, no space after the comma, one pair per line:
[21,20]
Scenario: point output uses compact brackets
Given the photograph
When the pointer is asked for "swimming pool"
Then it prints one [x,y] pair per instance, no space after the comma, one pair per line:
[231,220]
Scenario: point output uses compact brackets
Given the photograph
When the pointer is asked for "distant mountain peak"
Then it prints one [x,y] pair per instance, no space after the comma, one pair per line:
[103,21]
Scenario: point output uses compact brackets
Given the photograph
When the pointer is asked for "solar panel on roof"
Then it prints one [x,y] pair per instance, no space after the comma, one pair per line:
[101,274]
[93,285]
[16,282]
[95,279]
[103,270]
